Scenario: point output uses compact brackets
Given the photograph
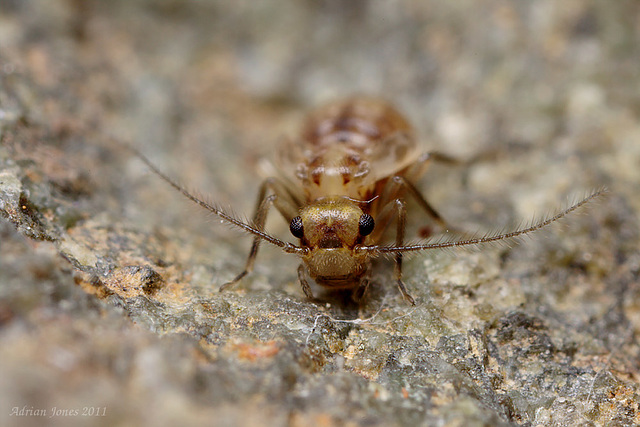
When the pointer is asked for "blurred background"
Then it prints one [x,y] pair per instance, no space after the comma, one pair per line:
[206,88]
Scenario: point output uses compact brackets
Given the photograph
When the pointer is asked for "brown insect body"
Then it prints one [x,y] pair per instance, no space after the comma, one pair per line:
[340,185]
[342,161]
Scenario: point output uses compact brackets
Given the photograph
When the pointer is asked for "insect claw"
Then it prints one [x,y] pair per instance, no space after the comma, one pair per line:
[303,282]
[407,296]
[232,283]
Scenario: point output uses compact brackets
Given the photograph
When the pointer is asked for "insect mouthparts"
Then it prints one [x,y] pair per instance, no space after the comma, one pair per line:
[330,241]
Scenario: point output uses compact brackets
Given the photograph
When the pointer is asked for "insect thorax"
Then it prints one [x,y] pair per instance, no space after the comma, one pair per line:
[336,171]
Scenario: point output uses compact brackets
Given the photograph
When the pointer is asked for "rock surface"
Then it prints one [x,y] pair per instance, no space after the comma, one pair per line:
[109,309]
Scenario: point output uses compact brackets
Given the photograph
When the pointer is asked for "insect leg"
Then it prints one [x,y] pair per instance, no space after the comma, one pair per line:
[263,204]
[396,187]
[415,171]
[284,202]
[401,212]
[422,201]
[303,282]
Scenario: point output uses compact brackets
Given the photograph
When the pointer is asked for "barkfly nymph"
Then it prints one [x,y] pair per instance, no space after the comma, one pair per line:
[340,185]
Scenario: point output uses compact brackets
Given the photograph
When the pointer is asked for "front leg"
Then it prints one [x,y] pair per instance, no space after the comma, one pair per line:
[283,204]
[258,220]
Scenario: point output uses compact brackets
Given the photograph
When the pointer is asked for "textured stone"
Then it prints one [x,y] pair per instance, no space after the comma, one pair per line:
[109,279]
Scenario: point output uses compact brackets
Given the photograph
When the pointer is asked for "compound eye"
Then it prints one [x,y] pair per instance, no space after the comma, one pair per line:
[296,227]
[366,224]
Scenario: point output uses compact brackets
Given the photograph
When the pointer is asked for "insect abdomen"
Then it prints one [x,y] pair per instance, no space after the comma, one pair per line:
[343,141]
[356,123]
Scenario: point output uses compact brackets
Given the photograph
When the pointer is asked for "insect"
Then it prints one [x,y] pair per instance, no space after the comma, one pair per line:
[340,184]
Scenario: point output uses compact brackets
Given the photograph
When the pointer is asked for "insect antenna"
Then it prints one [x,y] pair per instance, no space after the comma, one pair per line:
[232,220]
[486,239]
